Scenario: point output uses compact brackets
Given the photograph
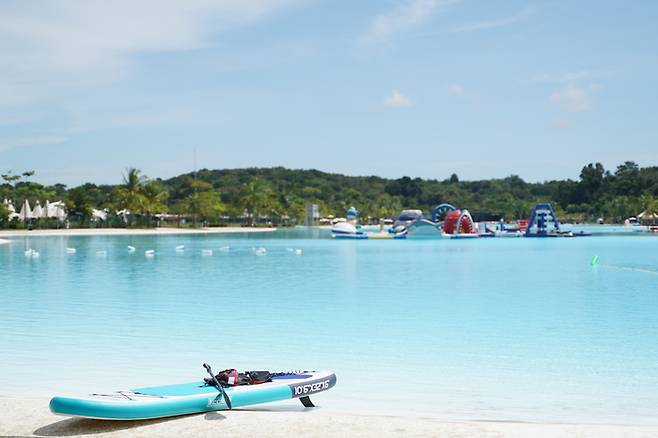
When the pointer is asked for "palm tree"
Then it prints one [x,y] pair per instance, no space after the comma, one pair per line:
[257,196]
[27,174]
[133,179]
[12,180]
[152,197]
[130,195]
[650,208]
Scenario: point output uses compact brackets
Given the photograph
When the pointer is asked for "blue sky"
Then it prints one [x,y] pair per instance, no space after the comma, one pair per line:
[406,87]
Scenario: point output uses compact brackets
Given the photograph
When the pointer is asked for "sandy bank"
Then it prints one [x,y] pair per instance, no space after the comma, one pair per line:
[126,231]
[19,417]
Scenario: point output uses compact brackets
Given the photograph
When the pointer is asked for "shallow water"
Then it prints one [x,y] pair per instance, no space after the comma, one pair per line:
[520,329]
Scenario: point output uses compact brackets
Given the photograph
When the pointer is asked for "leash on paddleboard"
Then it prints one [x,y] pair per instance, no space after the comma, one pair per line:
[219,386]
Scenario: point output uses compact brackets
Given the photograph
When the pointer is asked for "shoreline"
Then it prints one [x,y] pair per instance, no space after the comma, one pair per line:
[164,231]
[31,417]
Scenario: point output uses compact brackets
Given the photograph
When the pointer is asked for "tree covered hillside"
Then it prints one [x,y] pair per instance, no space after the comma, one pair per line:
[214,195]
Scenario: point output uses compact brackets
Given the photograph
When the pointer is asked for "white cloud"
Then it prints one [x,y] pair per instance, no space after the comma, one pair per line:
[50,43]
[489,24]
[572,99]
[397,100]
[30,141]
[455,89]
[573,76]
[406,16]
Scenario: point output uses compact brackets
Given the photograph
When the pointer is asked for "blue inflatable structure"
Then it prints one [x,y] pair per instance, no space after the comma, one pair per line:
[543,222]
[441,211]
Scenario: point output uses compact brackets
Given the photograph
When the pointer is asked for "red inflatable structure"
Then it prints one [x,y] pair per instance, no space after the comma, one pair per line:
[523,225]
[459,222]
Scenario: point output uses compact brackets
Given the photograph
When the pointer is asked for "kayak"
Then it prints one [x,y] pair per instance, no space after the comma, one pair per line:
[192,398]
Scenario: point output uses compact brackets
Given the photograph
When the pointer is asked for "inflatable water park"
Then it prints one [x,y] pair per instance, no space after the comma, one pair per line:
[352,229]
[224,391]
[448,221]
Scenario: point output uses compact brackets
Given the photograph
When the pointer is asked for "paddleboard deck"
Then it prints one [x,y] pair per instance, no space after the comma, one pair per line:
[190,398]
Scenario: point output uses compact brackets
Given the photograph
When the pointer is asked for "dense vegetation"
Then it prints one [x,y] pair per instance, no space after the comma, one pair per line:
[257,195]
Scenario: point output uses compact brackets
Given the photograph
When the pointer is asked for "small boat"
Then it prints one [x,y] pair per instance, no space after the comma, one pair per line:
[191,398]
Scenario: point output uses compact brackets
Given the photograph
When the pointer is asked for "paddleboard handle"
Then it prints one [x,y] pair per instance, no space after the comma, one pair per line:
[219,386]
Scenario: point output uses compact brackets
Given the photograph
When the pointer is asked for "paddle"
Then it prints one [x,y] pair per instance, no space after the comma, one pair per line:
[219,387]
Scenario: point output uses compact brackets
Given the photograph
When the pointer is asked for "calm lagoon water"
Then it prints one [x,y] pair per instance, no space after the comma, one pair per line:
[520,329]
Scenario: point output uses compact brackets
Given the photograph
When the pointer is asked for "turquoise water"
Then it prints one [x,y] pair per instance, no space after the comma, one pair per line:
[520,329]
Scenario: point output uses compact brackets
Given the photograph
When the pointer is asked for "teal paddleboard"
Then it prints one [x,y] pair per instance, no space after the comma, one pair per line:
[191,398]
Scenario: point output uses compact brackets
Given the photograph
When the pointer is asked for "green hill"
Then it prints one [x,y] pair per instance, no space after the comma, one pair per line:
[278,192]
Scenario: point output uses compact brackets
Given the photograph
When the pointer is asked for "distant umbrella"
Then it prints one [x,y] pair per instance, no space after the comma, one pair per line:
[60,213]
[52,210]
[10,206]
[38,211]
[26,211]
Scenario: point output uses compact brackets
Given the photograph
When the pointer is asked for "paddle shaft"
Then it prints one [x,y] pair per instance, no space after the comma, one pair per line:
[219,386]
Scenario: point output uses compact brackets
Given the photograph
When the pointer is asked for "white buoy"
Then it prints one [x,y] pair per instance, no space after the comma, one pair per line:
[260,251]
[206,252]
[298,251]
[149,252]
[71,250]
[131,248]
[225,248]
[101,253]
[29,252]
[180,248]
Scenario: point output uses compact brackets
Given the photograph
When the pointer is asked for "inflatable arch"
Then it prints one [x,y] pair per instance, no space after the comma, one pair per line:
[441,211]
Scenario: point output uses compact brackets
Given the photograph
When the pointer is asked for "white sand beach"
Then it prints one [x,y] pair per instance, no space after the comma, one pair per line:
[22,417]
[131,231]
